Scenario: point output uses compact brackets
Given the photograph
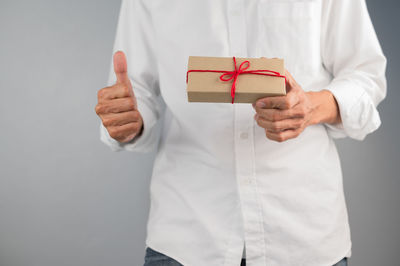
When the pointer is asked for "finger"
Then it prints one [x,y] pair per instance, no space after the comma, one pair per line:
[114,92]
[121,67]
[278,102]
[126,132]
[284,135]
[278,115]
[120,119]
[116,106]
[279,126]
[274,114]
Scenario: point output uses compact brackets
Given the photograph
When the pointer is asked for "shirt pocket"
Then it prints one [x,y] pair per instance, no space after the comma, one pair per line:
[291,30]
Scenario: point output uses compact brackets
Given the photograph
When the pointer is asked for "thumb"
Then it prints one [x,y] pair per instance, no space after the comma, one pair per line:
[121,67]
[291,84]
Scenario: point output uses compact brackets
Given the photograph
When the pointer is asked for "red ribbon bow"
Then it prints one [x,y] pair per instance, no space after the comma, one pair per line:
[229,75]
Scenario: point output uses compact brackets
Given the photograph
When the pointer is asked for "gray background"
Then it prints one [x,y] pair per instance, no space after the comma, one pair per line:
[66,199]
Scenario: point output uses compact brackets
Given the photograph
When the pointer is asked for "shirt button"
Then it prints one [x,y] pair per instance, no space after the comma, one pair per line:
[244,135]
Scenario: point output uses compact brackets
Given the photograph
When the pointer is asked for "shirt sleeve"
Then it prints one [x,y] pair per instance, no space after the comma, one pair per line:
[351,52]
[135,37]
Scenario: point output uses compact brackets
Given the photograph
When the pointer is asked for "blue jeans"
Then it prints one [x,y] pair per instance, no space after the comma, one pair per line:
[155,258]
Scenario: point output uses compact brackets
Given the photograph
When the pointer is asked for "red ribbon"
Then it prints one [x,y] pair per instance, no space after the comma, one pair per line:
[229,75]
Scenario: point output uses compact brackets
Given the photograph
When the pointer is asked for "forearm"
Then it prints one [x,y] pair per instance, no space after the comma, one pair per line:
[325,108]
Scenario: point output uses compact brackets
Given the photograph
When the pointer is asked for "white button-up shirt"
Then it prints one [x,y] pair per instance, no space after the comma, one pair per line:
[218,184]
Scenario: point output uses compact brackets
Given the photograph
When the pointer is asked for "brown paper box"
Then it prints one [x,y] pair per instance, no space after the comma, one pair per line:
[207,87]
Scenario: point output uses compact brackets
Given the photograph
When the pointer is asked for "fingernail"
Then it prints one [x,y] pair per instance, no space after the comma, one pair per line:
[260,104]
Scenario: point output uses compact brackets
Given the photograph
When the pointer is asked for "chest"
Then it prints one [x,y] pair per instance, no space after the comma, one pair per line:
[288,29]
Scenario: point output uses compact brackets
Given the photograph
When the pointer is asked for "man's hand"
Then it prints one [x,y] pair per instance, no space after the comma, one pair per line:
[117,105]
[285,117]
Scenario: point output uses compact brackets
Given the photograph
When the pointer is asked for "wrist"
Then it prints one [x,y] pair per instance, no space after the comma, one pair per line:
[324,106]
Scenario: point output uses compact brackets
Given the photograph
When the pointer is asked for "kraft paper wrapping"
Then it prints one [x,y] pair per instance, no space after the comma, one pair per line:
[207,86]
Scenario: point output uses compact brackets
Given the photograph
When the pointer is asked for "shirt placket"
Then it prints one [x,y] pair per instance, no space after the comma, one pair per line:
[244,147]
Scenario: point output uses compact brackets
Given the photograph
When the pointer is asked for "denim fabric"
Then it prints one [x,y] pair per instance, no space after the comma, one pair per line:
[155,258]
[343,262]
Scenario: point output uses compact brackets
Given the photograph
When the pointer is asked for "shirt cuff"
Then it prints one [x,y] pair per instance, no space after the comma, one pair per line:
[358,114]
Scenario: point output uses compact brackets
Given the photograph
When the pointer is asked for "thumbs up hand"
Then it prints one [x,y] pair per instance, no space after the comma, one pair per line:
[117,106]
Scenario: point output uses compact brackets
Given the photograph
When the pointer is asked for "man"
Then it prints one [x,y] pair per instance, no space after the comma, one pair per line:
[238,183]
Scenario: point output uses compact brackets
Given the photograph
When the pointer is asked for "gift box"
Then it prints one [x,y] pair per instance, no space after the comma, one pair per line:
[234,80]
